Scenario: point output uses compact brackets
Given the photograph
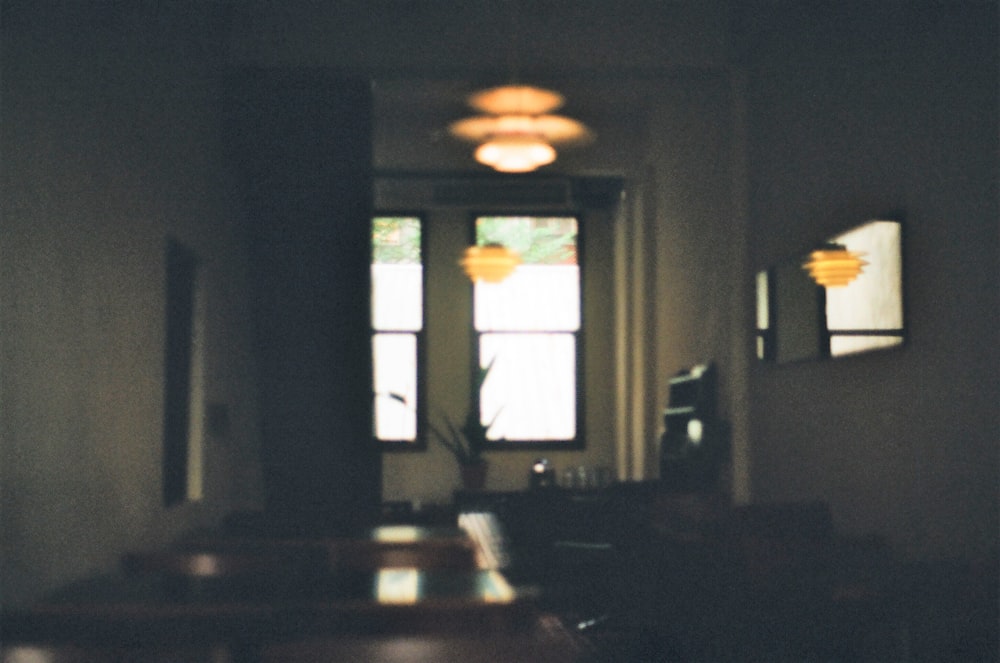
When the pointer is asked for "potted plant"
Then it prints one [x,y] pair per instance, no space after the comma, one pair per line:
[468,441]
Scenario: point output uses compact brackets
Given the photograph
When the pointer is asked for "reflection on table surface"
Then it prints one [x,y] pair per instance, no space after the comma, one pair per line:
[354,587]
[377,547]
[411,533]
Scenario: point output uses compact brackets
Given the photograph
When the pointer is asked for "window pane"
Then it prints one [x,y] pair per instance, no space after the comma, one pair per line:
[533,298]
[397,274]
[397,297]
[395,360]
[543,293]
[531,389]
[874,300]
[763,314]
[540,240]
[845,345]
[396,306]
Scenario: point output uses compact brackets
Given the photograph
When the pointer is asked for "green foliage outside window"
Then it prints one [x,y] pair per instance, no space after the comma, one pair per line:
[539,240]
[396,240]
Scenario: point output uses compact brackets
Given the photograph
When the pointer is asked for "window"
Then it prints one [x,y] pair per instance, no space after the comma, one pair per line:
[527,330]
[798,319]
[868,314]
[397,327]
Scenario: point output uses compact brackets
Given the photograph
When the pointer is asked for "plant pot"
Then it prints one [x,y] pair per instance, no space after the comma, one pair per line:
[473,476]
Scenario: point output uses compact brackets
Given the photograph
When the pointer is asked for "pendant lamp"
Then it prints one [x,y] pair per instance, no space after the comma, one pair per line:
[834,266]
[491,263]
[516,131]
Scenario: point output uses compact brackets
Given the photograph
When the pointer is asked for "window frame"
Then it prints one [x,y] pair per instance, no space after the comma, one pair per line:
[419,443]
[578,442]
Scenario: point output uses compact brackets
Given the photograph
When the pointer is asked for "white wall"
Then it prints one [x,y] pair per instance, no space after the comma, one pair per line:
[857,111]
[111,142]
[698,248]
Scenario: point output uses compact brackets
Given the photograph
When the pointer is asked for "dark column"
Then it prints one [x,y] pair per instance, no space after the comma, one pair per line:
[302,140]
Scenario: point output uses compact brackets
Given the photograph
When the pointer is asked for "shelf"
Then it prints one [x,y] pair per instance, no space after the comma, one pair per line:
[679,410]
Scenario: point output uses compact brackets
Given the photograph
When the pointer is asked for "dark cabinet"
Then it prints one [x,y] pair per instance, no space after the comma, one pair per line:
[695,441]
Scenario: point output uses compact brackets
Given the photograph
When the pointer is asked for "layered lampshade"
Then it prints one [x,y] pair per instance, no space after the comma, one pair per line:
[834,266]
[491,263]
[517,131]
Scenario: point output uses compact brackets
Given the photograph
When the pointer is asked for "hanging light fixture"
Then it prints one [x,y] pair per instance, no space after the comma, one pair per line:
[491,263]
[834,266]
[517,131]
[515,154]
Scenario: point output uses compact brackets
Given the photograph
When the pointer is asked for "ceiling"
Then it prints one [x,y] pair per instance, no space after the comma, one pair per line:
[425,56]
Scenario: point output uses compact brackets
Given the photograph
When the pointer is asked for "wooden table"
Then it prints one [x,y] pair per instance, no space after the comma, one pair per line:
[152,608]
[210,592]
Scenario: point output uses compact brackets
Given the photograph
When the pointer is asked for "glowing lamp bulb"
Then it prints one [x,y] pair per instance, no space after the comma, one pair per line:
[515,154]
[491,262]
